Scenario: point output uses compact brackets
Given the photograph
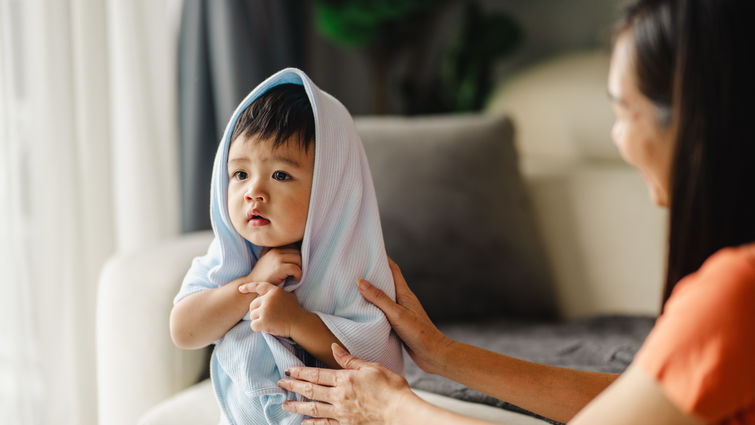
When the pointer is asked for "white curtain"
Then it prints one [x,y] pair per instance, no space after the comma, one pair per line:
[88,167]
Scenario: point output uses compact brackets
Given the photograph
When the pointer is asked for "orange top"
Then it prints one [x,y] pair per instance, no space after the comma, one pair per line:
[702,349]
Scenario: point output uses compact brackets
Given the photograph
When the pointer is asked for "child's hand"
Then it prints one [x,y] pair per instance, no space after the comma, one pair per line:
[274,311]
[277,264]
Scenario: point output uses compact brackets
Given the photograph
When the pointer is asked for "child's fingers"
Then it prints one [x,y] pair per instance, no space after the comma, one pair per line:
[292,259]
[255,304]
[247,287]
[260,288]
[292,270]
[284,253]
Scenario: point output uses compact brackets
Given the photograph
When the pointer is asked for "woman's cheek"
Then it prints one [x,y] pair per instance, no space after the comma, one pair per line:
[619,134]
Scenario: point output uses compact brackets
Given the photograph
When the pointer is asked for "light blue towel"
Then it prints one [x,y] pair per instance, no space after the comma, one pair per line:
[342,241]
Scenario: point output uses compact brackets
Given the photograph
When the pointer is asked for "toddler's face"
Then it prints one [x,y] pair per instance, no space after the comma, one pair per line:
[268,190]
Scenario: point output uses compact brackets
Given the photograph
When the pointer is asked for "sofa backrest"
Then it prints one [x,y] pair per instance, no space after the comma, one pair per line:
[605,240]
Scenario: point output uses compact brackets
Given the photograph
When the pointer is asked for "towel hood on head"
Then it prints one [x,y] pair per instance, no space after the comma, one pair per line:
[342,241]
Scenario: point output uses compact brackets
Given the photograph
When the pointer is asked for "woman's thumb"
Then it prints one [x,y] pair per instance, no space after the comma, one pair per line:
[343,358]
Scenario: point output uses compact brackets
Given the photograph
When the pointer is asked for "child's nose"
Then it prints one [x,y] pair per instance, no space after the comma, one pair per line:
[255,193]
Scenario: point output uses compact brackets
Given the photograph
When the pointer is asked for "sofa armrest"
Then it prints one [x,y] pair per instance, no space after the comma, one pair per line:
[137,363]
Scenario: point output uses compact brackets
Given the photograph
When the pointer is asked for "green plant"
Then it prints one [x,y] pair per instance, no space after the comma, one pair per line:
[384,29]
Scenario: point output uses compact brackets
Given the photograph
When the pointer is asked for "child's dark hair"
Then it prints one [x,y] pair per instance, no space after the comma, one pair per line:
[278,114]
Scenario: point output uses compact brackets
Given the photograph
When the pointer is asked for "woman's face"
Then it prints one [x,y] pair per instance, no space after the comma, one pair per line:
[642,141]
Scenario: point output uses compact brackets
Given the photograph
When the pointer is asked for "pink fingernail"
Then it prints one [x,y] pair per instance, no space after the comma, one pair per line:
[337,349]
[362,284]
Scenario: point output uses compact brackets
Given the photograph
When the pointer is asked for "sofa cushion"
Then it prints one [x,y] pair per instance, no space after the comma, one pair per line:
[602,344]
[456,216]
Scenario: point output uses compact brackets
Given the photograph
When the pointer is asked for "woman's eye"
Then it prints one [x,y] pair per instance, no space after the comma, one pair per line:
[240,175]
[280,175]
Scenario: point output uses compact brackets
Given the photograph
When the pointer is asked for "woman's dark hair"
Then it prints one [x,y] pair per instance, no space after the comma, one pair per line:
[278,114]
[651,25]
[696,56]
[712,189]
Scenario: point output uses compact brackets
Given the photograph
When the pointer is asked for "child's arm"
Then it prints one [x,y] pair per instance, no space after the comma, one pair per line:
[278,312]
[203,317]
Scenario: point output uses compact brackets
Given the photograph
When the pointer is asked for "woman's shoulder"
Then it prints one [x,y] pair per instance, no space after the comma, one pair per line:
[701,347]
[743,255]
[722,290]
[726,279]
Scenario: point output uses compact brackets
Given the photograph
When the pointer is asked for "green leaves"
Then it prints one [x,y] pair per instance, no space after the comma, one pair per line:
[460,75]
[362,23]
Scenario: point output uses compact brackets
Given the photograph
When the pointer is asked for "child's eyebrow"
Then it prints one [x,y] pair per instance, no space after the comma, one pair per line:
[287,160]
[236,160]
[274,158]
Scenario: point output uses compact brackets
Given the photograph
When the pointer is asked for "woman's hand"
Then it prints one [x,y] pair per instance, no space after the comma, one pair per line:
[423,341]
[361,393]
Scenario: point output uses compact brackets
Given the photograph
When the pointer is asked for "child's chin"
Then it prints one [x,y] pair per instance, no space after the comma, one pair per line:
[273,243]
[255,239]
[259,242]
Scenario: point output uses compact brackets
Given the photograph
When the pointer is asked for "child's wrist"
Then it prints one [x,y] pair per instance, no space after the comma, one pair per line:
[300,323]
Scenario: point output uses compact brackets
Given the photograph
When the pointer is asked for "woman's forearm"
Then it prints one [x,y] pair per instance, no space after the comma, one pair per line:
[554,392]
[411,409]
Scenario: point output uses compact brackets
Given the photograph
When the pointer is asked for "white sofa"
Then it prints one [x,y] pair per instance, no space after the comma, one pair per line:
[603,242]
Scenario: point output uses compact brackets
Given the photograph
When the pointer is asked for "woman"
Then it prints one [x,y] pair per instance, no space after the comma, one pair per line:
[681,82]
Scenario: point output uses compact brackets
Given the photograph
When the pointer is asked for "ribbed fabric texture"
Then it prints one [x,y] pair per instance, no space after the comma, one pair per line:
[342,241]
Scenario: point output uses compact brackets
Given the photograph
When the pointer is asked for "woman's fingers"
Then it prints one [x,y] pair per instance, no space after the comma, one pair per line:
[308,390]
[344,359]
[378,297]
[320,421]
[360,395]
[314,375]
[403,293]
[312,408]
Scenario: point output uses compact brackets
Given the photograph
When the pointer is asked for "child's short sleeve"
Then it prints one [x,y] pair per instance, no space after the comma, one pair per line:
[198,277]
[702,349]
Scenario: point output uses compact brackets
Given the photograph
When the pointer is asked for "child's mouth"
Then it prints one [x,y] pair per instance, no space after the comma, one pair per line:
[257,220]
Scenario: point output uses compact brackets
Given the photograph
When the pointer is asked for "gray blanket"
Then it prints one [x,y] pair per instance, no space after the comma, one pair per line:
[603,344]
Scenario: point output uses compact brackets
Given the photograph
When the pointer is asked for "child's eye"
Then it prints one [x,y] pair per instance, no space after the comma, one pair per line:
[281,176]
[240,175]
